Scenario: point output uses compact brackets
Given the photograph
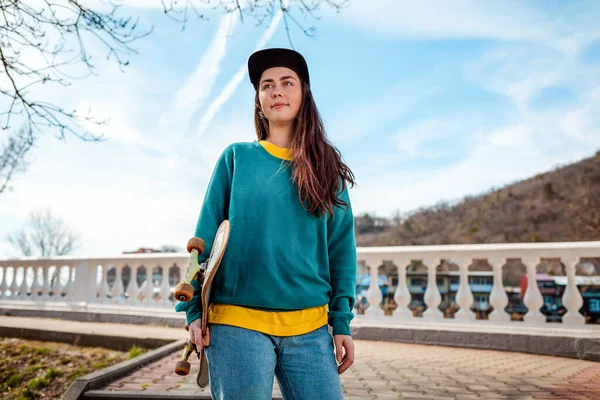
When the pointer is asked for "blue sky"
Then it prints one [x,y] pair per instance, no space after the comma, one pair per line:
[427,102]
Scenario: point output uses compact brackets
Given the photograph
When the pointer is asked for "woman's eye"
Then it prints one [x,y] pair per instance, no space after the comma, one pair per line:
[287,83]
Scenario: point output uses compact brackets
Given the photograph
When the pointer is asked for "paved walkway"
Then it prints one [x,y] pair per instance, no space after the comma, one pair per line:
[385,370]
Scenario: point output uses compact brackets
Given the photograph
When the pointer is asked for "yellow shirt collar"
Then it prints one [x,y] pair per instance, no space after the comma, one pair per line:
[276,151]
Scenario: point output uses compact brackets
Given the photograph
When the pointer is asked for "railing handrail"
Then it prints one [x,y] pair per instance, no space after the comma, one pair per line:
[484,251]
[100,259]
[508,250]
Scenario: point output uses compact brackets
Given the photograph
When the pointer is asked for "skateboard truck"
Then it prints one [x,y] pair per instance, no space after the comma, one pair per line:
[184,291]
[182,367]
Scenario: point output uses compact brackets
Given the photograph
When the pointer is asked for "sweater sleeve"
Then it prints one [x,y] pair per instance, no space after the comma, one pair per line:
[214,211]
[342,265]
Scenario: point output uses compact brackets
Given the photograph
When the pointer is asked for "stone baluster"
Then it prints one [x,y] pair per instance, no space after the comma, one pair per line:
[464,296]
[49,286]
[15,291]
[533,297]
[44,283]
[4,285]
[374,295]
[22,290]
[35,285]
[165,288]
[117,289]
[148,290]
[133,288]
[432,297]
[59,287]
[402,295]
[572,299]
[103,287]
[498,297]
[68,286]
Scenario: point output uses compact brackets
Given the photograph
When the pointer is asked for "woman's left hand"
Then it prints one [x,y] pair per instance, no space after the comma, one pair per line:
[345,359]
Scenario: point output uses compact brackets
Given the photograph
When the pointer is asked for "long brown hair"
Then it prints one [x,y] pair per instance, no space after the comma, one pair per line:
[317,166]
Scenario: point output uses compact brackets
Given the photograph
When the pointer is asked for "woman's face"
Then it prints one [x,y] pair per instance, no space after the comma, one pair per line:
[280,94]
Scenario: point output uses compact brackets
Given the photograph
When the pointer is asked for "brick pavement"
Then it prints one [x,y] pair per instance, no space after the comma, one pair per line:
[386,370]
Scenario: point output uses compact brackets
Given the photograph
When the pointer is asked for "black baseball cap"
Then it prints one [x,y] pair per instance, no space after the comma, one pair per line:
[276,57]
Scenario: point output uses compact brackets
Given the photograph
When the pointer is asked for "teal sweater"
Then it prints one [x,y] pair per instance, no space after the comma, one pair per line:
[279,257]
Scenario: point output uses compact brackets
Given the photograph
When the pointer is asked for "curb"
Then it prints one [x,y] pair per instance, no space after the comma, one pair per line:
[128,395]
[81,385]
[560,346]
[95,316]
[118,343]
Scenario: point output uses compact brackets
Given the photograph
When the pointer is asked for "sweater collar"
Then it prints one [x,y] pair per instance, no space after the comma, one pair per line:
[280,152]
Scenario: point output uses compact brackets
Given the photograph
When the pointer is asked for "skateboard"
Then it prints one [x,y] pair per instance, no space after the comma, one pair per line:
[184,291]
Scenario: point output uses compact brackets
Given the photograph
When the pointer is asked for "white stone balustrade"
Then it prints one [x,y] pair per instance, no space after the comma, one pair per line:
[530,255]
[83,283]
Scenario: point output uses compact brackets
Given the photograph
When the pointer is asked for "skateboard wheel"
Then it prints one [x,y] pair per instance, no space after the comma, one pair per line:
[182,368]
[184,292]
[196,243]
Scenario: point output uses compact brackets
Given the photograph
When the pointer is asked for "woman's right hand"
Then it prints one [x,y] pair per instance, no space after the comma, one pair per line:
[196,332]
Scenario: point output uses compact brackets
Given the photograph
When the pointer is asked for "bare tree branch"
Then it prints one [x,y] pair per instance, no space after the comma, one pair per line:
[12,157]
[38,40]
[47,235]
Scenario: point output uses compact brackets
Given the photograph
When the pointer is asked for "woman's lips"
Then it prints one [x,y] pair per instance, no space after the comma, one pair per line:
[279,106]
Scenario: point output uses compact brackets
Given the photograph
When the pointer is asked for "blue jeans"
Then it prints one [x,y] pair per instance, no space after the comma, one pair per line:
[242,364]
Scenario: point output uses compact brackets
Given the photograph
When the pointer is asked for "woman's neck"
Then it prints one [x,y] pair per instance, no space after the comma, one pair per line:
[280,135]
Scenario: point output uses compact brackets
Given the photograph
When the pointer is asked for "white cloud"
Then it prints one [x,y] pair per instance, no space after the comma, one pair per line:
[419,140]
[199,84]
[209,144]
[518,145]
[457,19]
[233,83]
[501,157]
[117,201]
[463,19]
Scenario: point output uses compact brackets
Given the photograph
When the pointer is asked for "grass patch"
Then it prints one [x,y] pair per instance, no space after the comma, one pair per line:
[32,368]
[52,373]
[77,373]
[37,383]
[23,348]
[41,351]
[136,351]
[26,394]
[14,381]
[44,370]
[65,360]
[102,364]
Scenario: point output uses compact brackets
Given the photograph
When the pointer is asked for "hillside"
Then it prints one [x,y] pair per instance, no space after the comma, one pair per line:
[560,205]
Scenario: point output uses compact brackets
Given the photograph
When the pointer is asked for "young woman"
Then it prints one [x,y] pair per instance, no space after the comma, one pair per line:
[289,270]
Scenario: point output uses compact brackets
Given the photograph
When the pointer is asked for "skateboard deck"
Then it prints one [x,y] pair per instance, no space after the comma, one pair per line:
[184,292]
